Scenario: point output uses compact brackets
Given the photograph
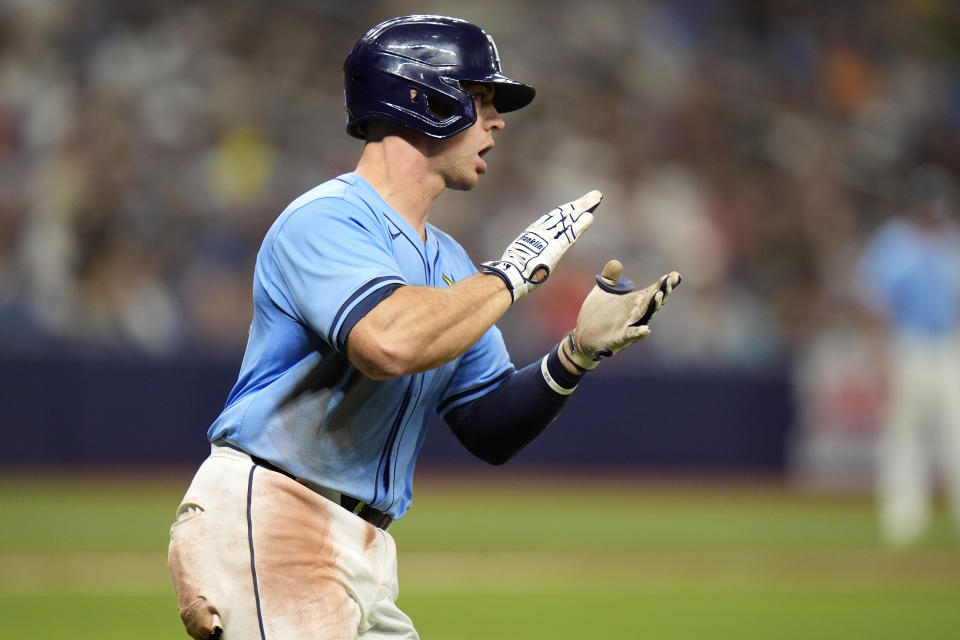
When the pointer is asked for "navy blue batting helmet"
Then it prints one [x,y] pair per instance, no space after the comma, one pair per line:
[432,55]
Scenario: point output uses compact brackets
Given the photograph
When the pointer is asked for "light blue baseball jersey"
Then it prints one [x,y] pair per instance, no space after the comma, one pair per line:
[330,257]
[913,278]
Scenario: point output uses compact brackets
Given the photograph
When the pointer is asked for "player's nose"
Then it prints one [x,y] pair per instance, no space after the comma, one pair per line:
[491,117]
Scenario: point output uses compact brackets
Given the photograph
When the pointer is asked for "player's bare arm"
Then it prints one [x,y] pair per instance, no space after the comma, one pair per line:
[420,328]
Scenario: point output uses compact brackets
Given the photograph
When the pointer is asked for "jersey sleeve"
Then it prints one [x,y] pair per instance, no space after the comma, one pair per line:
[480,370]
[332,264]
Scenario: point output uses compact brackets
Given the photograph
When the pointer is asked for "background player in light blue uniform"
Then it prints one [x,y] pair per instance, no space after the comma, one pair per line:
[367,319]
[910,274]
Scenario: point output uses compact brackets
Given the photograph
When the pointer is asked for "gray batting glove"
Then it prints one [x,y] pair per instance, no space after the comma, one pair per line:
[614,316]
[530,258]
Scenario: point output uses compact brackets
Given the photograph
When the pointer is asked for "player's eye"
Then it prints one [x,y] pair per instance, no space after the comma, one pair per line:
[481,93]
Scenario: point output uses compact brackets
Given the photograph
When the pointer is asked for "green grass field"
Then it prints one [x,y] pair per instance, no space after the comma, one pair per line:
[497,555]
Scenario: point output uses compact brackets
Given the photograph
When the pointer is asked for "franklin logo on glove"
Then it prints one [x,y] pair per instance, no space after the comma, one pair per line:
[534,242]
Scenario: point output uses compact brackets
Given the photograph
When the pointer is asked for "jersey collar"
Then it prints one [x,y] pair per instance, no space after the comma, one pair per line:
[429,249]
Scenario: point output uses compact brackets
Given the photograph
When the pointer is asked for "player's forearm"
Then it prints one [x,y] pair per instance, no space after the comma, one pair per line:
[421,328]
[498,424]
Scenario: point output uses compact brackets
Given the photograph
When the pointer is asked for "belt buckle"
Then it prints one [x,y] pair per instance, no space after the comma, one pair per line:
[365,512]
[358,507]
[351,504]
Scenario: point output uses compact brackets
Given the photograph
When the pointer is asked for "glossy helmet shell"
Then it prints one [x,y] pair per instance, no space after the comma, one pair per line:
[432,55]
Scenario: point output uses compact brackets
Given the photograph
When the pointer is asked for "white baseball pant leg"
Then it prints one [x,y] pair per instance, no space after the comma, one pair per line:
[903,470]
[949,393]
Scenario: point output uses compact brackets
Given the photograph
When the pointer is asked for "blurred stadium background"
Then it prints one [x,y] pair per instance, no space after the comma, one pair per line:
[145,148]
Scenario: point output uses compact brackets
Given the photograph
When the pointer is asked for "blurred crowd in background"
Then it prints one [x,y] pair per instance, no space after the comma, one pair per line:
[145,147]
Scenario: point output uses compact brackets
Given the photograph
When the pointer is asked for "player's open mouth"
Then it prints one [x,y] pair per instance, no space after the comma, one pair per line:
[483,165]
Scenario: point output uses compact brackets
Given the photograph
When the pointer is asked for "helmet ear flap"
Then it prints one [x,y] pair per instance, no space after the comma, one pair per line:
[429,105]
[436,106]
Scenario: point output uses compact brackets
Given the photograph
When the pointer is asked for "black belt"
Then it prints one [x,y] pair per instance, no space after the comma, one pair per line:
[357,507]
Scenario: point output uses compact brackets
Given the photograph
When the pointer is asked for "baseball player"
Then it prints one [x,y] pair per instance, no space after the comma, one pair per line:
[368,318]
[910,273]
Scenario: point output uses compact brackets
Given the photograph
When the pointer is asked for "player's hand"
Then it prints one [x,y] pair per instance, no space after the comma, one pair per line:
[614,316]
[530,258]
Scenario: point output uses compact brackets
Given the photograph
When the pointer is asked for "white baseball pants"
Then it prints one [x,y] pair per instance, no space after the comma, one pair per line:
[922,417]
[270,559]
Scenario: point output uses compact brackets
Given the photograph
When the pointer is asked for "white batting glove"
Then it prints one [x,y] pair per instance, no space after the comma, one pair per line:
[530,258]
[614,316]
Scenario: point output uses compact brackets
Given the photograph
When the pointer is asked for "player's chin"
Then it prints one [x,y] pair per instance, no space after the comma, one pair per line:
[464,183]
